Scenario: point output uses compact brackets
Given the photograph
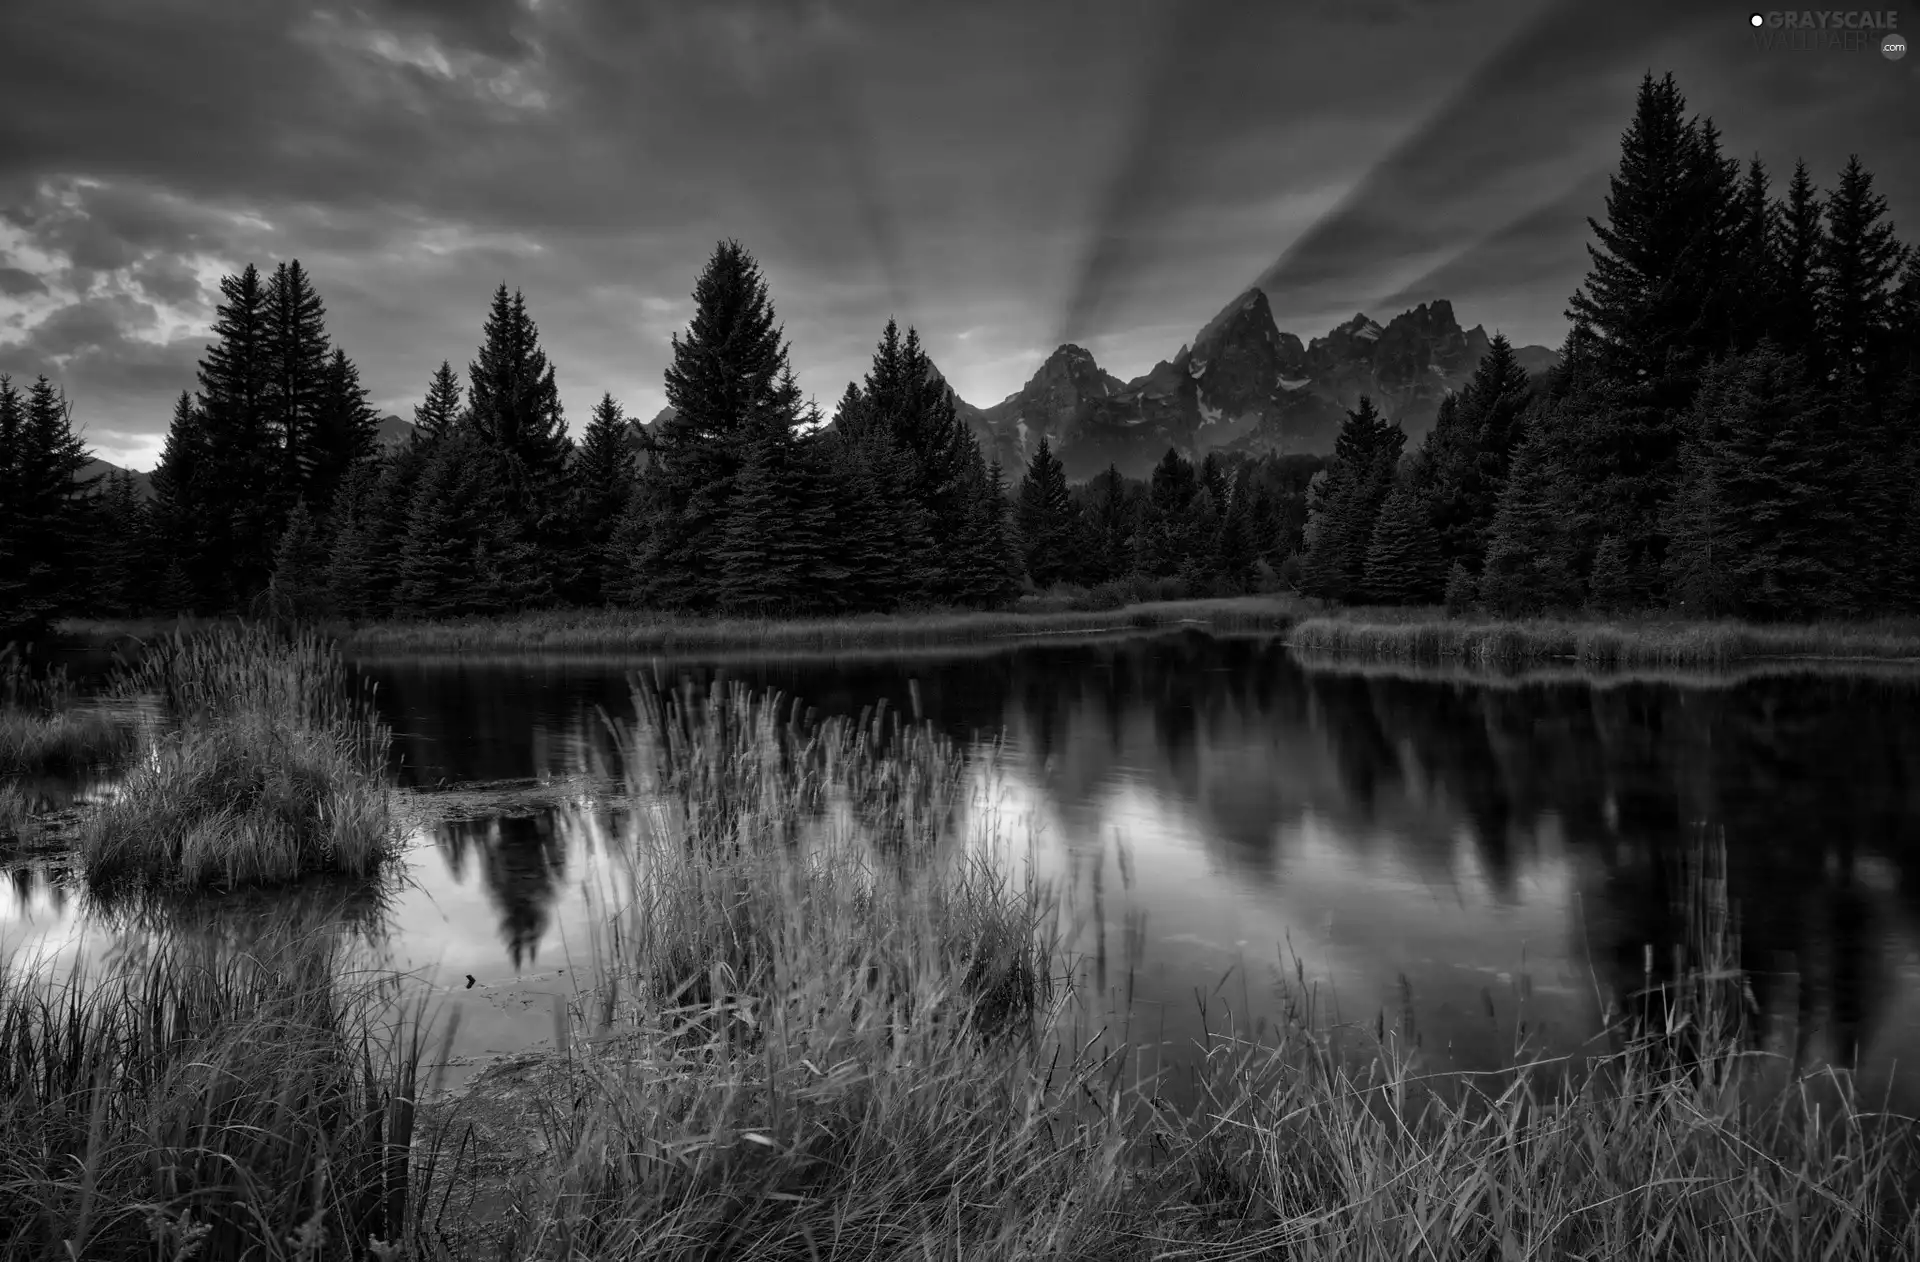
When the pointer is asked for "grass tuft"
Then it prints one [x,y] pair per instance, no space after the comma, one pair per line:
[273,768]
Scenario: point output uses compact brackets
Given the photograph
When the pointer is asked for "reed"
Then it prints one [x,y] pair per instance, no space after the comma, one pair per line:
[788,1051]
[43,731]
[191,1100]
[273,768]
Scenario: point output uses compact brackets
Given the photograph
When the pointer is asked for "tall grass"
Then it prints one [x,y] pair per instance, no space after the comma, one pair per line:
[195,1102]
[42,732]
[1423,638]
[273,768]
[790,1050]
[645,632]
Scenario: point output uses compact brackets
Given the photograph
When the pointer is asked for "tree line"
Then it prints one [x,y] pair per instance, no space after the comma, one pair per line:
[1729,431]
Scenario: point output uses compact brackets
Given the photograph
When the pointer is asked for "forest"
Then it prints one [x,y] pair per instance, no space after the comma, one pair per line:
[1728,433]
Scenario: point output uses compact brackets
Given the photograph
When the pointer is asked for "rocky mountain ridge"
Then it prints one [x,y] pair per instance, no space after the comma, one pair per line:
[1241,385]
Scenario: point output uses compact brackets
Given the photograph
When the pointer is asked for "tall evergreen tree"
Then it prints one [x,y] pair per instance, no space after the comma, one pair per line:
[462,555]
[345,431]
[237,500]
[775,552]
[513,398]
[178,520]
[299,588]
[722,384]
[435,418]
[603,473]
[1110,518]
[991,565]
[1527,565]
[1347,502]
[1403,558]
[46,511]
[1047,518]
[1800,246]
[1859,265]
[297,373]
[124,554]
[1758,313]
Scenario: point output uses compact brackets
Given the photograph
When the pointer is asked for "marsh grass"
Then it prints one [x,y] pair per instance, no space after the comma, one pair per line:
[42,729]
[613,629]
[1421,637]
[790,1050]
[272,767]
[813,1030]
[187,1099]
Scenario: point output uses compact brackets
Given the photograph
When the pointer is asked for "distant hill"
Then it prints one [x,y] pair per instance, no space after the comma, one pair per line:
[142,482]
[393,431]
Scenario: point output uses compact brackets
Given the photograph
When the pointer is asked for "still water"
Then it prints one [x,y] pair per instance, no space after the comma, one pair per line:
[1484,857]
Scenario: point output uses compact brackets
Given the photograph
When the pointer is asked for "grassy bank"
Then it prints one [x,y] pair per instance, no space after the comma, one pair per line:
[273,767]
[813,1026]
[661,633]
[1426,636]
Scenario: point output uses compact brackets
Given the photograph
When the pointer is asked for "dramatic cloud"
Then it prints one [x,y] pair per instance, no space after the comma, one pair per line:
[1004,174]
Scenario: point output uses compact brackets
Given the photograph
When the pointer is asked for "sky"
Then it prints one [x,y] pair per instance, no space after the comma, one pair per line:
[1004,175]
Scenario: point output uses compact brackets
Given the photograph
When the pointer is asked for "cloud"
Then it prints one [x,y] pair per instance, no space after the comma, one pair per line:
[15,281]
[1104,171]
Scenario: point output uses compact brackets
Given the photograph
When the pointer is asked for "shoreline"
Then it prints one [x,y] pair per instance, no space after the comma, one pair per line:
[602,630]
[1375,636]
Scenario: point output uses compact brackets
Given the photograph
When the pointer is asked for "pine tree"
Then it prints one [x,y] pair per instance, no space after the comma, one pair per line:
[436,417]
[1799,247]
[1526,567]
[1859,265]
[241,466]
[124,555]
[47,515]
[1346,503]
[1461,590]
[1639,299]
[1110,518]
[462,555]
[1757,273]
[299,587]
[1609,586]
[1403,561]
[603,476]
[991,564]
[1047,518]
[513,399]
[361,560]
[722,382]
[178,521]
[1234,552]
[345,431]
[296,387]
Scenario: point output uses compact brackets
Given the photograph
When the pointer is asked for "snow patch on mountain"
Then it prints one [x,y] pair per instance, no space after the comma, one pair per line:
[1293,383]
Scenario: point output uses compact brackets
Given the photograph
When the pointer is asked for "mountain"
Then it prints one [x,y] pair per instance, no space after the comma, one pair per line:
[393,431]
[1242,384]
[142,482]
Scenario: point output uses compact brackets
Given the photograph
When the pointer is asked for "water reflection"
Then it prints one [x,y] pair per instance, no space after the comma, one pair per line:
[1494,853]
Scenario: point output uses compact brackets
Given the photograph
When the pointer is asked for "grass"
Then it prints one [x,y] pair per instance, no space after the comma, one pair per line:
[205,1103]
[42,732]
[273,769]
[1422,636]
[823,1021]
